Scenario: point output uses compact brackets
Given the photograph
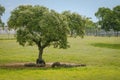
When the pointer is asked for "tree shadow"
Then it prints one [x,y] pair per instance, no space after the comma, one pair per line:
[37,68]
[106,45]
[34,66]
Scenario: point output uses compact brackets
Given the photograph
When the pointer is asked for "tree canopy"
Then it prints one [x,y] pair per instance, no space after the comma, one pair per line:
[109,19]
[75,23]
[116,21]
[2,10]
[89,24]
[103,14]
[38,23]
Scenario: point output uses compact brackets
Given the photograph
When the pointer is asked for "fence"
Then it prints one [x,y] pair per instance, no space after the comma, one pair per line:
[101,32]
[88,32]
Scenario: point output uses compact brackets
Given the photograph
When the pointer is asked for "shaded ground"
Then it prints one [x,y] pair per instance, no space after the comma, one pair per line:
[106,45]
[48,65]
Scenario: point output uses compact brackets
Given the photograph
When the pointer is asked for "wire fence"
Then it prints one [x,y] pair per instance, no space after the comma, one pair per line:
[88,32]
[101,32]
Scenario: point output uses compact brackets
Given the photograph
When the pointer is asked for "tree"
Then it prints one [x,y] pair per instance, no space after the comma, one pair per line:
[75,23]
[39,25]
[104,15]
[116,19]
[2,10]
[109,19]
[89,25]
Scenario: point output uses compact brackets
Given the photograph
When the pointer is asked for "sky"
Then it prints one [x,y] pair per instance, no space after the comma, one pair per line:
[83,7]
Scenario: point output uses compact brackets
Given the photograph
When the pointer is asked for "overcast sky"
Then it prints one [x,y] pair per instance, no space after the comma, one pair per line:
[83,7]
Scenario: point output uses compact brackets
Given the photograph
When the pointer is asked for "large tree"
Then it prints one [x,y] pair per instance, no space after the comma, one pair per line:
[39,25]
[2,10]
[75,23]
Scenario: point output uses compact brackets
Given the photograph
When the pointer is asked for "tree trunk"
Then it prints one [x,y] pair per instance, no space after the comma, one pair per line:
[40,54]
[117,34]
[40,61]
[71,34]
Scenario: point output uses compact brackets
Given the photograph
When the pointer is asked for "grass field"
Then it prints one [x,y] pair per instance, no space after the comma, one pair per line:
[100,54]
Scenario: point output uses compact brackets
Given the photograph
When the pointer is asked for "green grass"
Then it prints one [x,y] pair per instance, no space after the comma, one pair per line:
[101,54]
[104,45]
[6,36]
[61,74]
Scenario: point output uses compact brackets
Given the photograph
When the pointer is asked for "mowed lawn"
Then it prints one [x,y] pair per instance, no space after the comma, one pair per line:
[100,54]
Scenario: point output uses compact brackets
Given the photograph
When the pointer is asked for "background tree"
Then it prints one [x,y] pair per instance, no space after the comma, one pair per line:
[2,10]
[75,23]
[39,25]
[109,19]
[89,25]
[104,15]
[116,19]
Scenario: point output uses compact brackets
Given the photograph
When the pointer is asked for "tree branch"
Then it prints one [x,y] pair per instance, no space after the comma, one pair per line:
[46,44]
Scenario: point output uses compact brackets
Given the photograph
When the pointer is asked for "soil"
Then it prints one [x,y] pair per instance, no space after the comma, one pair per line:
[48,65]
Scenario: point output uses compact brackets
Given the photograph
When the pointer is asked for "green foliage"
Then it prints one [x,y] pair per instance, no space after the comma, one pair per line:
[116,21]
[103,14]
[39,25]
[75,23]
[2,10]
[89,24]
[109,19]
